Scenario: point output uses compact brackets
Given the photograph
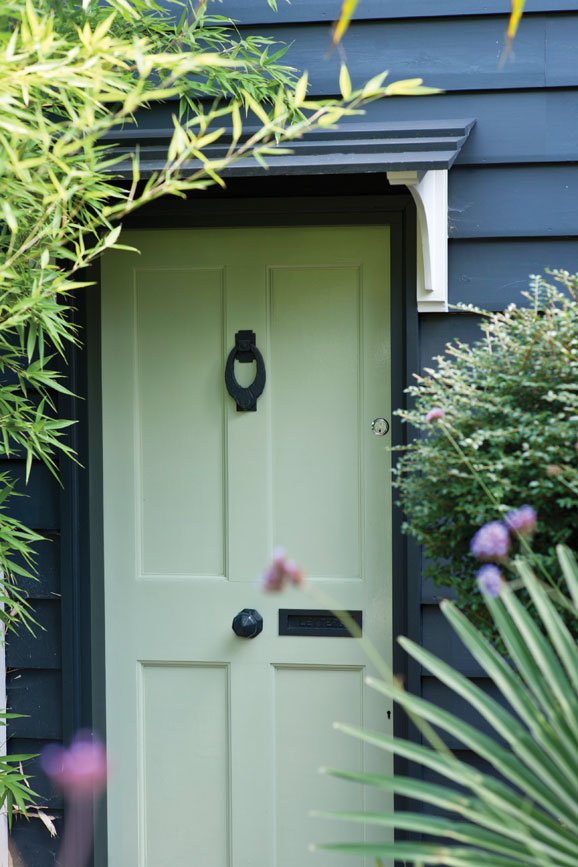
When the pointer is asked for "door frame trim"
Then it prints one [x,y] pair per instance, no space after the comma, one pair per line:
[83,638]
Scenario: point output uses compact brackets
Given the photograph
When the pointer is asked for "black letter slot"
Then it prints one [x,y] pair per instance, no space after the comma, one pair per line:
[323,624]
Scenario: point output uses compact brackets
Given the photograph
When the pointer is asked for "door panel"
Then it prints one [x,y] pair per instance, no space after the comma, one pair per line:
[216,739]
[179,751]
[180,534]
[315,367]
[328,694]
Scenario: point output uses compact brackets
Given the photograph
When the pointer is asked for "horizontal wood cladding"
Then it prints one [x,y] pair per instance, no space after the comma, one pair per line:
[40,783]
[442,641]
[45,584]
[37,502]
[437,329]
[513,202]
[41,650]
[445,698]
[533,126]
[32,842]
[37,695]
[493,274]
[34,678]
[258,12]
[456,54]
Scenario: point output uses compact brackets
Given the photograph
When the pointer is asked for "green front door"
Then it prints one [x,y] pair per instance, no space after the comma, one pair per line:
[216,740]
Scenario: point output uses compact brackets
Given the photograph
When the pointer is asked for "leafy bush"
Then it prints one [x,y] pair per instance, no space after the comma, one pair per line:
[502,432]
[524,809]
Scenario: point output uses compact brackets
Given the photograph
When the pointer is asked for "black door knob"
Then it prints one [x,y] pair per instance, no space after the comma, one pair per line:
[248,623]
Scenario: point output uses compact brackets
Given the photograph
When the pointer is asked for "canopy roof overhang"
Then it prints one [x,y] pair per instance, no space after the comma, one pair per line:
[350,148]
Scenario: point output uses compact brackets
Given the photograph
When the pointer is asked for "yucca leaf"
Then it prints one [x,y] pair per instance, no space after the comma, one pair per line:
[443,797]
[557,630]
[563,706]
[569,566]
[506,725]
[488,789]
[504,761]
[494,796]
[429,853]
[543,675]
[437,826]
[556,688]
[454,800]
[494,665]
[519,653]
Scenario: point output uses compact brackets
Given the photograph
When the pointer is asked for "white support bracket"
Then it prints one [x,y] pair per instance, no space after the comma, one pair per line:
[430,193]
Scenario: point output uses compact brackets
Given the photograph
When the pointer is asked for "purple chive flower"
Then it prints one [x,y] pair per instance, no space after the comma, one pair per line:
[281,571]
[522,520]
[79,771]
[434,414]
[490,580]
[491,542]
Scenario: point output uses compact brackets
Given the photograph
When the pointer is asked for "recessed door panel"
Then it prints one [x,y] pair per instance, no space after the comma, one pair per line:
[307,702]
[180,423]
[315,367]
[184,717]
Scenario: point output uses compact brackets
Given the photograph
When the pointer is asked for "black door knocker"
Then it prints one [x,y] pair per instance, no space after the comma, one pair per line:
[245,350]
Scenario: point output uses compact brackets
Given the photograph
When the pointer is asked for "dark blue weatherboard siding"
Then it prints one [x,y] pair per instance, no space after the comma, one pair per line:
[34,681]
[37,695]
[512,127]
[442,696]
[30,842]
[38,780]
[444,642]
[514,202]
[491,274]
[454,54]
[437,330]
[29,651]
[251,12]
[45,584]
[36,503]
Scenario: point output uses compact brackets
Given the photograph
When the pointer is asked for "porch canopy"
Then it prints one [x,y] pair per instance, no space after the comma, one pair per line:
[401,146]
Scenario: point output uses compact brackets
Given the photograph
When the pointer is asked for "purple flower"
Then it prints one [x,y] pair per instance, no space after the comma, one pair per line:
[79,771]
[434,414]
[491,542]
[522,521]
[490,580]
[281,571]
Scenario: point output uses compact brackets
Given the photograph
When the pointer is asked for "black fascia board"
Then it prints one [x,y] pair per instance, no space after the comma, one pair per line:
[349,148]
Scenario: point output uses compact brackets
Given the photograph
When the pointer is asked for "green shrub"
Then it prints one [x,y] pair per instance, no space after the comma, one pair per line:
[508,435]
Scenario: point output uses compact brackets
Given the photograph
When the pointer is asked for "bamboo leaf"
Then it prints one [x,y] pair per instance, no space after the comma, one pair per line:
[515,18]
[344,82]
[301,89]
[373,86]
[340,27]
